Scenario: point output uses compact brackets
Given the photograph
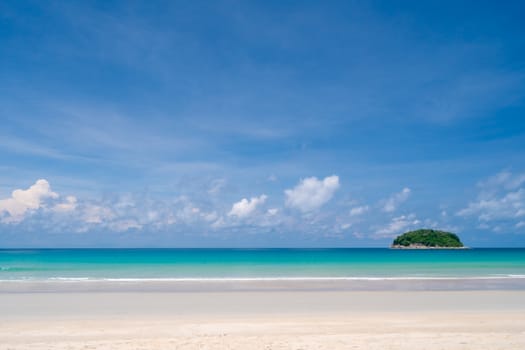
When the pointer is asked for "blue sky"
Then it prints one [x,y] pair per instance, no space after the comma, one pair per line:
[241,123]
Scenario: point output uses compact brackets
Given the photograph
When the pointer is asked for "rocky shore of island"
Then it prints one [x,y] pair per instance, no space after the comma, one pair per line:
[421,246]
[427,239]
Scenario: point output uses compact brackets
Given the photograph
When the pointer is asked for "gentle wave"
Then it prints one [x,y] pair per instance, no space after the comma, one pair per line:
[264,279]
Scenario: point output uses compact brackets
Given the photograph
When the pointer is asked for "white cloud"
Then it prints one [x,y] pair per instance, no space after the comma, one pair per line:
[68,205]
[311,193]
[497,228]
[219,223]
[520,224]
[245,207]
[357,211]
[129,212]
[124,225]
[397,225]
[358,235]
[183,210]
[509,206]
[500,198]
[272,211]
[395,200]
[97,214]
[504,179]
[216,186]
[22,201]
[210,217]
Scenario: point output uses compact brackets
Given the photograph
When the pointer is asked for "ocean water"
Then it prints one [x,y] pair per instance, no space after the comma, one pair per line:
[204,264]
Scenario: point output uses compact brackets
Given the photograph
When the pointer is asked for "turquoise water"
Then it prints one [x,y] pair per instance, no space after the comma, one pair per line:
[73,264]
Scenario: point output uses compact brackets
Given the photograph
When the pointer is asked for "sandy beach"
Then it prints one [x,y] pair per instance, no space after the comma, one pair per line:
[279,319]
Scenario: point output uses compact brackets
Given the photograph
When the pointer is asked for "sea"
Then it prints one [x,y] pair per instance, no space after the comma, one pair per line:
[258,264]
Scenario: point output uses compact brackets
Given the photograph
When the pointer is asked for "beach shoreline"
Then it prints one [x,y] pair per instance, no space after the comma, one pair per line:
[263,284]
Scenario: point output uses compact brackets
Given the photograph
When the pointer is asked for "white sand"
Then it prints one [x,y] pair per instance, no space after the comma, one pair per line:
[264,320]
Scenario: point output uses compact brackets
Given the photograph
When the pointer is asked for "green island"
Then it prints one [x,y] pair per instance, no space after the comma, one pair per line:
[427,239]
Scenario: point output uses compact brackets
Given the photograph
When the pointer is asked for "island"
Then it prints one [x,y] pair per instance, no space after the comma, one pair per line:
[427,239]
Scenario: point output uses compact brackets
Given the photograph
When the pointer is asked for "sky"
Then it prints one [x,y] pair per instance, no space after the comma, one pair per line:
[260,123]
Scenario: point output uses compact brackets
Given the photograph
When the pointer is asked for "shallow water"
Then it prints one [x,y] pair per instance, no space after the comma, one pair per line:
[195,264]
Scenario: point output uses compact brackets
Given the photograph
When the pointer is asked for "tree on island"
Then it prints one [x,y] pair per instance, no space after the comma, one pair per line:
[427,238]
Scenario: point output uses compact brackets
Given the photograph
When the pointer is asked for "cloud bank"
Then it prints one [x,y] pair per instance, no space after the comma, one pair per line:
[499,206]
